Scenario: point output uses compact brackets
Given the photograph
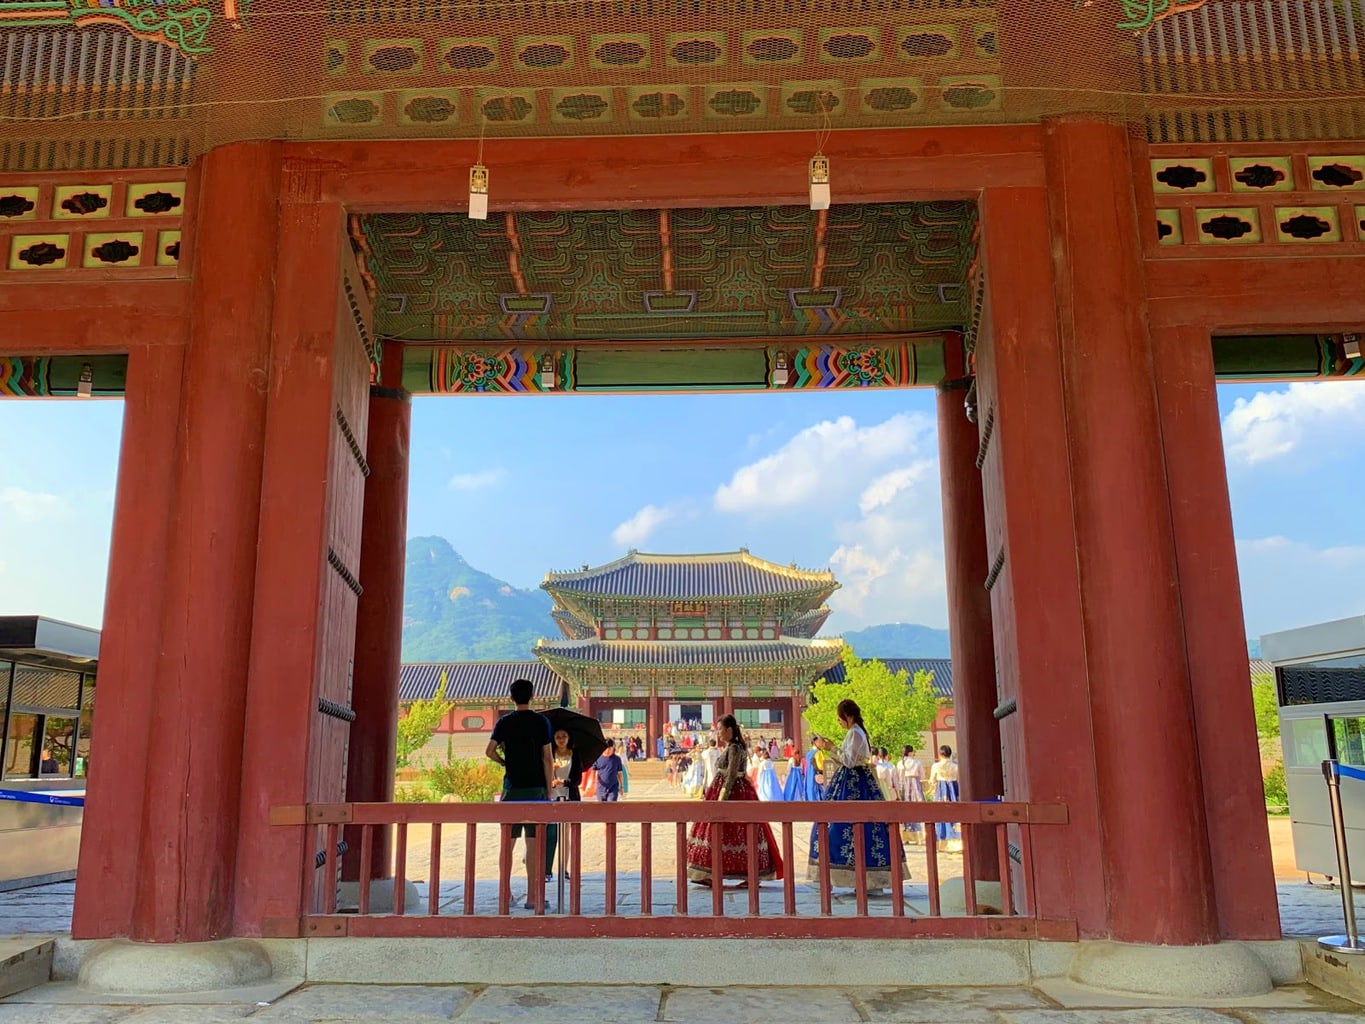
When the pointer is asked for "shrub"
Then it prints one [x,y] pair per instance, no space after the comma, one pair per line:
[413,793]
[473,780]
[1276,791]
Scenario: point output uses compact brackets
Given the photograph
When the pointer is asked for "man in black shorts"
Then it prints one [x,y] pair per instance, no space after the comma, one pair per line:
[525,739]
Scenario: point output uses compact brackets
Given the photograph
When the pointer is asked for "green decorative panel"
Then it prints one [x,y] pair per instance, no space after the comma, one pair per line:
[628,275]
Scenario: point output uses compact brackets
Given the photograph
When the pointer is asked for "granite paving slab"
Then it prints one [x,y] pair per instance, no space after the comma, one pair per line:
[182,1014]
[1344,1016]
[368,1003]
[602,1004]
[766,1005]
[1165,1015]
[28,1013]
[960,1005]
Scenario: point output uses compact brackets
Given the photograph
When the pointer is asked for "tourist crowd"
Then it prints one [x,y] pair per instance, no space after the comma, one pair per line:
[541,764]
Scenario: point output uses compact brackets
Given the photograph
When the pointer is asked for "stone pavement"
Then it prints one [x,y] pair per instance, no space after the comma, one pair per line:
[602,1004]
[1306,911]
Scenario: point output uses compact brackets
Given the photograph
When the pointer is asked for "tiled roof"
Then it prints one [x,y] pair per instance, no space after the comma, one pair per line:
[704,653]
[572,626]
[942,668]
[477,680]
[685,577]
[807,624]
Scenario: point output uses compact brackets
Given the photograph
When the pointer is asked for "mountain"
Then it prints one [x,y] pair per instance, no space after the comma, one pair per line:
[898,640]
[454,612]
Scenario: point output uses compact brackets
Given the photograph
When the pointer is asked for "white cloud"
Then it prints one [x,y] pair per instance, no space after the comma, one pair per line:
[831,455]
[1288,583]
[636,530]
[1272,424]
[30,506]
[477,481]
[883,490]
[890,558]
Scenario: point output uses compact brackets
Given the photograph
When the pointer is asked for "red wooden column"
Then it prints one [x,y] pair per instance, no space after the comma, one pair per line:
[1035,598]
[193,760]
[379,615]
[969,607]
[1215,636]
[794,722]
[111,830]
[1146,757]
[303,635]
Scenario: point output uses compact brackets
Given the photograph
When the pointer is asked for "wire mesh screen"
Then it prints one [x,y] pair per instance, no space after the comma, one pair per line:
[131,82]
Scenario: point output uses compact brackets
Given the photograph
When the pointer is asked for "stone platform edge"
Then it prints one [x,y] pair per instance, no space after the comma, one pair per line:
[712,962]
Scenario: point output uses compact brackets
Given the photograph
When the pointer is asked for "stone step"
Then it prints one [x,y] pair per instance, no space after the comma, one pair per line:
[25,963]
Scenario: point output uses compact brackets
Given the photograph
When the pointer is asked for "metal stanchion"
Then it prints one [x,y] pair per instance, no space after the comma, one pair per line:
[1350,942]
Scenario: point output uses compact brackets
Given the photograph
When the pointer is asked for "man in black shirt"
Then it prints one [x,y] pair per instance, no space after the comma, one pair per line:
[525,739]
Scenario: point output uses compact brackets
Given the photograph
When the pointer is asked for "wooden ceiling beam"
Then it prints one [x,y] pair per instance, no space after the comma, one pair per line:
[665,172]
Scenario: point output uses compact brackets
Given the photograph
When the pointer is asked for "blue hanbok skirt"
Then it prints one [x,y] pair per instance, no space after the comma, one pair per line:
[768,786]
[951,793]
[794,787]
[880,843]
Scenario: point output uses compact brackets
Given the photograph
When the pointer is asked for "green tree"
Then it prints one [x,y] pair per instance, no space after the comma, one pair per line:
[416,728]
[896,709]
[1267,707]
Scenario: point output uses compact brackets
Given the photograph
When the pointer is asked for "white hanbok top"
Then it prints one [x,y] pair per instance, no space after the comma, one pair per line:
[943,771]
[855,751]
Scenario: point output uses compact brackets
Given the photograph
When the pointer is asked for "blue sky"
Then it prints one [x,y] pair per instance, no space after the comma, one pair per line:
[848,480]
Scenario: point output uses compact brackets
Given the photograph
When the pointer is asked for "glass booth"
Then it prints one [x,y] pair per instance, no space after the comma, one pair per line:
[1320,686]
[47,700]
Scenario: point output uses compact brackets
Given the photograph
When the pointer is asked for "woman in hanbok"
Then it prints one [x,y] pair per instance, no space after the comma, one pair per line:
[794,786]
[943,777]
[886,774]
[910,786]
[768,786]
[854,778]
[694,778]
[731,783]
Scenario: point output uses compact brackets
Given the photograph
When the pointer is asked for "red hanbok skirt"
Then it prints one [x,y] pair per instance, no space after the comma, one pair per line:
[733,839]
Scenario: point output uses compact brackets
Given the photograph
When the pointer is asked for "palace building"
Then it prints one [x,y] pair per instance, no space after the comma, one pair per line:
[656,639]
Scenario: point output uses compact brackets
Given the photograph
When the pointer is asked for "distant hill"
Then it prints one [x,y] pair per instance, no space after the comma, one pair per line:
[899,640]
[454,612]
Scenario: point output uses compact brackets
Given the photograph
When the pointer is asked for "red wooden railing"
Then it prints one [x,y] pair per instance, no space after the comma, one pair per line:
[1007,825]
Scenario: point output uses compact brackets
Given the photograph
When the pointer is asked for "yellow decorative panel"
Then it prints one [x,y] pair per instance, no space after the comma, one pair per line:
[1261,174]
[167,248]
[1168,229]
[39,252]
[1307,224]
[117,249]
[1229,226]
[18,203]
[158,199]
[1336,173]
[1182,175]
[81,202]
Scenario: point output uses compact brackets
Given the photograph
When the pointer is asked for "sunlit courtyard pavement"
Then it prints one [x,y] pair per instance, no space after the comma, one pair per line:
[1306,911]
[628,1004]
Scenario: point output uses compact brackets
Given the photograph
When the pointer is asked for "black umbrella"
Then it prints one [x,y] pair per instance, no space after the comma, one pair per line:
[585,734]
